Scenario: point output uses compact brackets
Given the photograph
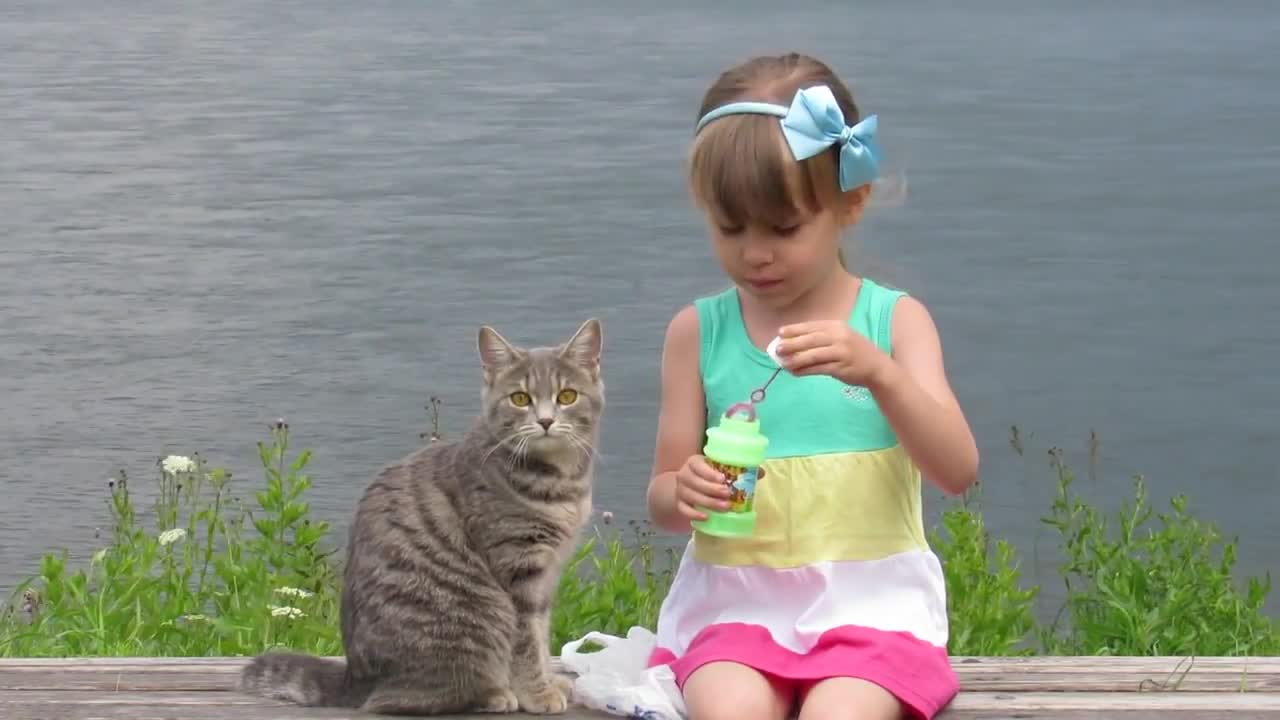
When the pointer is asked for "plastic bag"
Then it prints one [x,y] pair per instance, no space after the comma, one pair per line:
[614,679]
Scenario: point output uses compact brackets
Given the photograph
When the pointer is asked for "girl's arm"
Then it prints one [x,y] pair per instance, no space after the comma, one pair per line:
[913,393]
[681,418]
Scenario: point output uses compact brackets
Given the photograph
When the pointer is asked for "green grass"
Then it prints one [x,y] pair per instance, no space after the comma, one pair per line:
[1135,582]
[209,574]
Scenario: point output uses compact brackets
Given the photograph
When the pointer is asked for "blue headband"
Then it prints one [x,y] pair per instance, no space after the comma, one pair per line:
[814,123]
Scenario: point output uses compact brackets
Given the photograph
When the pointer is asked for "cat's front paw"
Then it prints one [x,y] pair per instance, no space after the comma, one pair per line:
[565,683]
[500,700]
[547,698]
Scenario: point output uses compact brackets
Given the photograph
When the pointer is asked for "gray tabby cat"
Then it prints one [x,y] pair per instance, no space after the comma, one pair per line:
[456,551]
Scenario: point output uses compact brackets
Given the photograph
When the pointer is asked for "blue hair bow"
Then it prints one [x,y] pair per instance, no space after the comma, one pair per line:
[813,123]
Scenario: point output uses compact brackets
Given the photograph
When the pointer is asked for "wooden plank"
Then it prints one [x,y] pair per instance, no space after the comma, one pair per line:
[1101,674]
[1148,706]
[1030,663]
[1119,674]
[91,705]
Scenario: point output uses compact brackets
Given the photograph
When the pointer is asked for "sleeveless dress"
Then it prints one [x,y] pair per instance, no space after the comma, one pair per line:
[838,579]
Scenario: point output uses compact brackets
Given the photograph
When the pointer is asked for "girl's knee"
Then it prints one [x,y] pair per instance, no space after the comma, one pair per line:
[731,691]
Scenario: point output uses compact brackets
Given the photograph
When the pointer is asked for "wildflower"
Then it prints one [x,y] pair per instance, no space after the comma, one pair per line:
[607,516]
[172,536]
[286,611]
[175,464]
[295,592]
[30,603]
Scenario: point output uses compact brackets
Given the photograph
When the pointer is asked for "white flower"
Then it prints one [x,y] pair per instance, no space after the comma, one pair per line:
[295,592]
[172,536]
[175,464]
[286,611]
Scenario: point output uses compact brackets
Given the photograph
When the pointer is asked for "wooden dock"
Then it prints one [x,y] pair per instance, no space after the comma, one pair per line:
[1140,688]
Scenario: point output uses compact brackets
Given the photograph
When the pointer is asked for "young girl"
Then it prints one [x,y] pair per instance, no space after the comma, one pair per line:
[835,606]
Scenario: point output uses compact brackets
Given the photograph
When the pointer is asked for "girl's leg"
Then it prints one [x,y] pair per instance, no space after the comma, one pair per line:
[845,698]
[731,691]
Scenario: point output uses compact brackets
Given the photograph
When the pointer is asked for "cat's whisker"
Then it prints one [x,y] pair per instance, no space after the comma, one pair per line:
[523,454]
[513,436]
[495,447]
[582,446]
[519,452]
[581,443]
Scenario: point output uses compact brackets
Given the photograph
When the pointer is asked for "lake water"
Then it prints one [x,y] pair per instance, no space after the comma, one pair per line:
[220,213]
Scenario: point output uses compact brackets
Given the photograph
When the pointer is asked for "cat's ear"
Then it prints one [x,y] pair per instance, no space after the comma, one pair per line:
[584,347]
[495,352]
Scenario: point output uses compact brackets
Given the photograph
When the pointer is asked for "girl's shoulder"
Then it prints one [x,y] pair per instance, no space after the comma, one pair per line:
[873,313]
[718,308]
[703,313]
[892,316]
[721,302]
[702,325]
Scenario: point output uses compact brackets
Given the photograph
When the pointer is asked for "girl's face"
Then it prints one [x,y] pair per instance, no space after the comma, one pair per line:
[778,264]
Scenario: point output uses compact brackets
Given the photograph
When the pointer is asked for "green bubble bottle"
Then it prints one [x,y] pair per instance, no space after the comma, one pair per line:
[736,448]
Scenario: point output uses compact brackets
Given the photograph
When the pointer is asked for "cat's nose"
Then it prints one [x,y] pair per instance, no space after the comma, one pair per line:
[545,423]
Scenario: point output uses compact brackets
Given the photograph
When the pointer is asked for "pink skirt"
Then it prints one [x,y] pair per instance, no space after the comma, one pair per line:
[917,673]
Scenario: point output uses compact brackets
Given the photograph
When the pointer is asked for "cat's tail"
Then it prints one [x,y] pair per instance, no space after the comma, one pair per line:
[302,679]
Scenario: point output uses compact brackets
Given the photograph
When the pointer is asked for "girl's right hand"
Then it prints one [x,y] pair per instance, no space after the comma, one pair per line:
[698,485]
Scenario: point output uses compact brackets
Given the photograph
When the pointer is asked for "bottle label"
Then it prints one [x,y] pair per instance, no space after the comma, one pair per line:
[742,484]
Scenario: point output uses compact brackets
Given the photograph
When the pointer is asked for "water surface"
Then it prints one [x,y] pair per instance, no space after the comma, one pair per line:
[216,214]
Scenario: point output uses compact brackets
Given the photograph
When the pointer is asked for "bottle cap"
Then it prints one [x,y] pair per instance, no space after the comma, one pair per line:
[737,441]
[773,350]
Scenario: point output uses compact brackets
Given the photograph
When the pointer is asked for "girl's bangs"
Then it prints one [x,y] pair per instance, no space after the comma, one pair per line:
[742,173]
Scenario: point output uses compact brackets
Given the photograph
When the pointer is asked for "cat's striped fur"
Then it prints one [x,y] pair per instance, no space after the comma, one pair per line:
[455,552]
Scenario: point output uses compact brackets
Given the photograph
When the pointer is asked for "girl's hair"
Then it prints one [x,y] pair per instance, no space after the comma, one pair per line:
[740,169]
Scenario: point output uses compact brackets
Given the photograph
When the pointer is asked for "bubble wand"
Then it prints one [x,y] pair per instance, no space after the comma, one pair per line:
[757,395]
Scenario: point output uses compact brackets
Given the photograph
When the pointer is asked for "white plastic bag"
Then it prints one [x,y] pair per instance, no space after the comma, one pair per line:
[615,679]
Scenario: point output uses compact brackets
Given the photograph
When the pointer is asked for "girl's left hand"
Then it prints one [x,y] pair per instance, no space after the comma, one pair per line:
[831,348]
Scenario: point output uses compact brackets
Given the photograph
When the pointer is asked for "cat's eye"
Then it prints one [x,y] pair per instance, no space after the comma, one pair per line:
[521,398]
[567,396]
